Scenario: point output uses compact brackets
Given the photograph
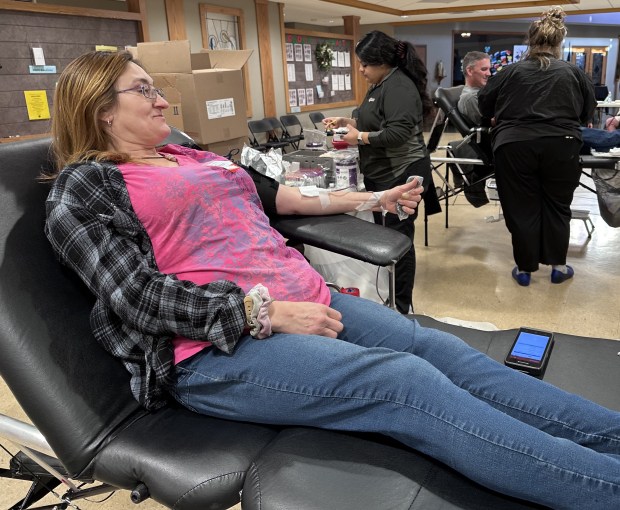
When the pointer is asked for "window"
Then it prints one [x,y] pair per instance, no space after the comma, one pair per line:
[223,28]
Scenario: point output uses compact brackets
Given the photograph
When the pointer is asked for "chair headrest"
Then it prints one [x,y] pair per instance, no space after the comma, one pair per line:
[447,99]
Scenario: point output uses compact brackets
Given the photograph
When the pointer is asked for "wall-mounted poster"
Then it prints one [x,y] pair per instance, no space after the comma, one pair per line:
[290,72]
[318,72]
[299,53]
[301,97]
[292,97]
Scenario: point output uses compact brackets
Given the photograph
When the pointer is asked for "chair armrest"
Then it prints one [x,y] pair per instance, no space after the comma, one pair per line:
[346,235]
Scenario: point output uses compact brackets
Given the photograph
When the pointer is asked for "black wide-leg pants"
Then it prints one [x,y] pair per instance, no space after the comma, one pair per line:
[536,180]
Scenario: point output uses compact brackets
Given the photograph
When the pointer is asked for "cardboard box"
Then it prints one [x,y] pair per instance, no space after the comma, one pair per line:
[210,84]
[165,56]
[173,114]
[224,148]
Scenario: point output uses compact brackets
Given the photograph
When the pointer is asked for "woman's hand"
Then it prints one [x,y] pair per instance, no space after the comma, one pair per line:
[305,318]
[336,122]
[612,123]
[351,136]
[407,195]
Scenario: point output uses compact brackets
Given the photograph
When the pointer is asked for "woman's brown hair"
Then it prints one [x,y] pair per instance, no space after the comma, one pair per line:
[84,92]
[545,37]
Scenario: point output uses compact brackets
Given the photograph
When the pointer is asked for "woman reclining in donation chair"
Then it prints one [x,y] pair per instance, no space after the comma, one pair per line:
[204,303]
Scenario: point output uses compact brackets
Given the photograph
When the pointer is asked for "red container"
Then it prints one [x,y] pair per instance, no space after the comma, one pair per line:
[340,144]
[353,291]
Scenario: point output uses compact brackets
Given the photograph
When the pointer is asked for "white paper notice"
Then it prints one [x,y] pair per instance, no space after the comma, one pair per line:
[310,96]
[301,97]
[347,82]
[341,82]
[292,97]
[335,82]
[290,72]
[219,108]
[347,59]
[309,73]
[308,52]
[319,92]
[39,58]
[299,53]
[341,59]
[290,55]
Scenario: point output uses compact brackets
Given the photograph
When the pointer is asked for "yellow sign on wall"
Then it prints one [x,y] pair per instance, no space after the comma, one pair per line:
[36,102]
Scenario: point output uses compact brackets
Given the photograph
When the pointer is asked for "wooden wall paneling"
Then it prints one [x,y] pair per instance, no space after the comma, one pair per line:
[62,38]
[352,28]
[175,18]
[264,51]
[139,7]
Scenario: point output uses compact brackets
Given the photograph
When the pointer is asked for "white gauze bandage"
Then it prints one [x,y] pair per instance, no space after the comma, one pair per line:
[313,191]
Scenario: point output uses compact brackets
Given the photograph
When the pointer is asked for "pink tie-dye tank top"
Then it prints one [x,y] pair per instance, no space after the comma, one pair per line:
[206,223]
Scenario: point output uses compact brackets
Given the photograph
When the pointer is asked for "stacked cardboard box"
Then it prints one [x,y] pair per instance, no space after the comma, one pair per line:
[205,91]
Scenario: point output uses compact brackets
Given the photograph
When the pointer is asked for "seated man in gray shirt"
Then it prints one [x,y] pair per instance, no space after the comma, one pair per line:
[477,69]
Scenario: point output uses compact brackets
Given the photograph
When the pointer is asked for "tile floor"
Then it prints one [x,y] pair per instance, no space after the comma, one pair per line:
[464,274]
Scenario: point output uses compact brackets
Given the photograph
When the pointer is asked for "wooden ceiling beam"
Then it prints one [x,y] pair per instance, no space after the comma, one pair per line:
[367,6]
[493,17]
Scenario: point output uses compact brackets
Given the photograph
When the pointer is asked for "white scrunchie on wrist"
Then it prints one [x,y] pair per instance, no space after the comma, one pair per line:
[257,302]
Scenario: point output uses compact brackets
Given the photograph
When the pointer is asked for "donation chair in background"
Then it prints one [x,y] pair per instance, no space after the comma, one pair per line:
[469,159]
[87,427]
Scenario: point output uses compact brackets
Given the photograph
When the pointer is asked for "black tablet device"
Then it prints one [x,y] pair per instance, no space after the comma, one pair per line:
[530,351]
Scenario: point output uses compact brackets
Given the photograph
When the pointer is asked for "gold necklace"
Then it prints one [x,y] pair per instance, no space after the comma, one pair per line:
[169,157]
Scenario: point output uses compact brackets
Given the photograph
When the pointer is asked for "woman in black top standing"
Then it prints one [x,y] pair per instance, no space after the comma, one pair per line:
[539,105]
[388,128]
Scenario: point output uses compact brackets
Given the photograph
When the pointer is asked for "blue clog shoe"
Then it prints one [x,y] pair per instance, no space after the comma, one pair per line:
[560,277]
[522,279]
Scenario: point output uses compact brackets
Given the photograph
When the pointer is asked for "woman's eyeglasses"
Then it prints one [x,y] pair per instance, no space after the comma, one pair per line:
[148,91]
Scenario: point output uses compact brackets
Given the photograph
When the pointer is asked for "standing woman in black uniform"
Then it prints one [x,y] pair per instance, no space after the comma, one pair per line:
[539,105]
[388,129]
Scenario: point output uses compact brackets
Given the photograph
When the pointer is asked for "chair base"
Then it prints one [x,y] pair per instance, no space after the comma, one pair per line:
[583,215]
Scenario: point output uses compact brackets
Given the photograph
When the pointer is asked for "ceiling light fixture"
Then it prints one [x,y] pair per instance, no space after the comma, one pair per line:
[465,34]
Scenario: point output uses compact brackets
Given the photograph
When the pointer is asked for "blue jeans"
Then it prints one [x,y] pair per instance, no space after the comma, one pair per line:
[426,388]
[599,139]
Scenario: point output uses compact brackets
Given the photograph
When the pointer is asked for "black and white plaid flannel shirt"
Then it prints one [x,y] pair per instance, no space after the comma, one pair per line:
[94,230]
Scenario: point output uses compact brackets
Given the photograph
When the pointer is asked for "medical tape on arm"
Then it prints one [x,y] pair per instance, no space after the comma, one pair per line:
[372,202]
[313,191]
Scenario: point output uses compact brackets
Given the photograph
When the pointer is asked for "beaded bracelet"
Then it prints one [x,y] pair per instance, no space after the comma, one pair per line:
[256,303]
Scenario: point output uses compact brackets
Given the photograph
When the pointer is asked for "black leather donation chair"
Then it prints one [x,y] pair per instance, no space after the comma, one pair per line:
[87,426]
[469,160]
